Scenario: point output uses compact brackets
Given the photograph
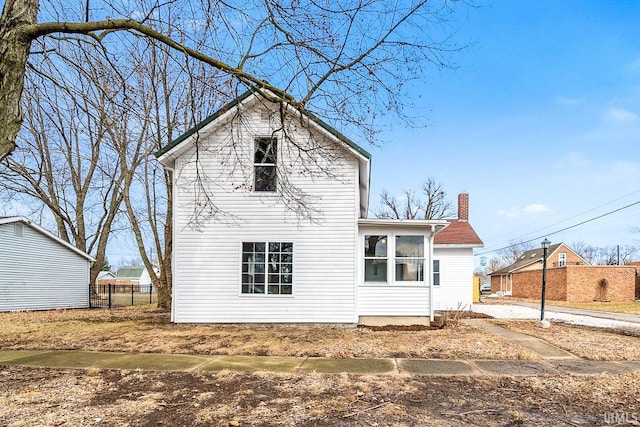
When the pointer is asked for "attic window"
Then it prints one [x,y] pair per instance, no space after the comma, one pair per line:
[264,164]
[533,255]
[18,229]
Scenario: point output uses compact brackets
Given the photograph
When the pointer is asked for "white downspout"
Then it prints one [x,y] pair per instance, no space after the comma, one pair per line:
[430,270]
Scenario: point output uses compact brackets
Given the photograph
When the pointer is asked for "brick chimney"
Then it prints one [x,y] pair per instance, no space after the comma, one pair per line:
[463,206]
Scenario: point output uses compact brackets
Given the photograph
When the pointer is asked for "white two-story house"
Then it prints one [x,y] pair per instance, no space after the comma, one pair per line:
[270,225]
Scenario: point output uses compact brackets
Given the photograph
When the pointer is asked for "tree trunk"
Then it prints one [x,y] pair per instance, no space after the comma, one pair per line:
[164,296]
[163,284]
[14,51]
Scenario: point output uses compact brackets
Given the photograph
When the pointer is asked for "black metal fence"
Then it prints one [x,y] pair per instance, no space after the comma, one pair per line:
[110,295]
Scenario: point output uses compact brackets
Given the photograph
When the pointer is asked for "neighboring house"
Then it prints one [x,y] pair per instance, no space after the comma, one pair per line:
[134,275]
[569,277]
[245,250]
[105,278]
[39,271]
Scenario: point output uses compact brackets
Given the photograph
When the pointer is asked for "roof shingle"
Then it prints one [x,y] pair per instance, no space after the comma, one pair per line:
[457,233]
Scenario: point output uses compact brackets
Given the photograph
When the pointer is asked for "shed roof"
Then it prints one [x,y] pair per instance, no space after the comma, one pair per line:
[38,228]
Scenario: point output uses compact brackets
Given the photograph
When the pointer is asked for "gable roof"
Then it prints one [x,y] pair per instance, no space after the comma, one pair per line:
[105,275]
[459,232]
[173,150]
[533,256]
[239,100]
[130,272]
[29,223]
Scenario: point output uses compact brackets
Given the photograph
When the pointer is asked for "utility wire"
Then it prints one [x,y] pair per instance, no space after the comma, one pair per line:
[582,213]
[563,229]
[578,214]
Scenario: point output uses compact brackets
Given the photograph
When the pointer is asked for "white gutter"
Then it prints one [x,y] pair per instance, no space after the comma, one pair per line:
[430,269]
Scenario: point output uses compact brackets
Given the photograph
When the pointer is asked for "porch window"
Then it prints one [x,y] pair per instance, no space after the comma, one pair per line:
[375,258]
[410,258]
[264,164]
[267,267]
[436,272]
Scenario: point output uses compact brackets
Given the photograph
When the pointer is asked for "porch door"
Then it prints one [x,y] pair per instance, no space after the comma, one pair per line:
[506,284]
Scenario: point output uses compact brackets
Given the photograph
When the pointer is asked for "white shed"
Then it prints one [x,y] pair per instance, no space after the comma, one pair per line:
[39,271]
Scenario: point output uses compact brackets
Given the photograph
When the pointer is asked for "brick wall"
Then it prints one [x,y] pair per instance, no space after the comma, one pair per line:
[586,283]
[575,283]
[528,284]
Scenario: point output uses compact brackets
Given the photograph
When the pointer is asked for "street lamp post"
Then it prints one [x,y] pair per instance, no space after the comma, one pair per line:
[545,245]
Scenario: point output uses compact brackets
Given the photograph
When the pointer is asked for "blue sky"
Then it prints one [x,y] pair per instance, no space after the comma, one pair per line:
[539,123]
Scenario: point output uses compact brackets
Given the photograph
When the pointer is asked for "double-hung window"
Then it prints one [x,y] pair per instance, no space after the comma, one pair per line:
[264,164]
[375,258]
[562,259]
[267,268]
[436,272]
[409,258]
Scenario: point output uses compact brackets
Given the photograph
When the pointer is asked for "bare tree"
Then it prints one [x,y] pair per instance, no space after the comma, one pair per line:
[614,255]
[348,62]
[514,251]
[608,255]
[434,205]
[64,169]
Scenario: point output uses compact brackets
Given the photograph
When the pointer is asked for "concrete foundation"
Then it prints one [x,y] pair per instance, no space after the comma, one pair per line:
[393,320]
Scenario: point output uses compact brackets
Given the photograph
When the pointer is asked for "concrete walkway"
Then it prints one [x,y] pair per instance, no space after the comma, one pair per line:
[541,347]
[391,366]
[554,360]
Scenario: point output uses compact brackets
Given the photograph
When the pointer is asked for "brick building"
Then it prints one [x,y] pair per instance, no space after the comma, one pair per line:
[569,278]
[636,264]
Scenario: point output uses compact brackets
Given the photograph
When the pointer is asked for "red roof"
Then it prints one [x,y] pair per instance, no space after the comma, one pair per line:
[457,233]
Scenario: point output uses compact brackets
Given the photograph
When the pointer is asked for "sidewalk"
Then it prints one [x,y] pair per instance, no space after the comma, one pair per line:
[508,309]
[620,317]
[390,366]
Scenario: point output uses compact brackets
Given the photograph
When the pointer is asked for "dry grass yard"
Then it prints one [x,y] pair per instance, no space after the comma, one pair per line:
[584,342]
[68,397]
[146,330]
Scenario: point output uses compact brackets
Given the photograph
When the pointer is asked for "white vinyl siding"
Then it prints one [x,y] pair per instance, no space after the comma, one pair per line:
[456,278]
[394,300]
[39,273]
[207,255]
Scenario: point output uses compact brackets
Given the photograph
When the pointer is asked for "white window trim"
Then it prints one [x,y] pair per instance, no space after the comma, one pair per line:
[391,260]
[433,273]
[562,259]
[266,294]
[379,258]
[255,165]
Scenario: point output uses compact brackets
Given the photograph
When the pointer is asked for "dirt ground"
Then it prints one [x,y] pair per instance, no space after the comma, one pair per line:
[46,397]
[66,397]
